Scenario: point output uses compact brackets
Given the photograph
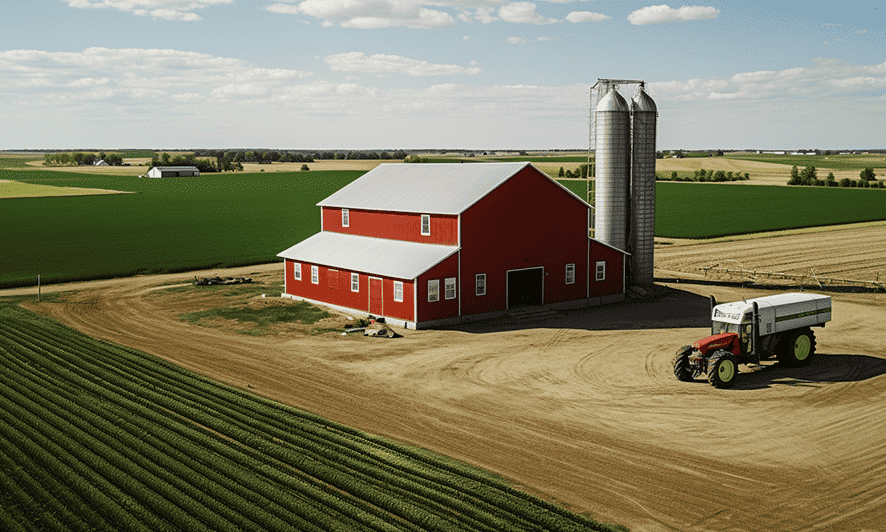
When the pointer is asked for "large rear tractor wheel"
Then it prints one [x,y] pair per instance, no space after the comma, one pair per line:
[722,369]
[798,348]
[682,369]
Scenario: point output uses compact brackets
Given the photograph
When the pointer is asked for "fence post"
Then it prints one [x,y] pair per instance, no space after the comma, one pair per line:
[38,288]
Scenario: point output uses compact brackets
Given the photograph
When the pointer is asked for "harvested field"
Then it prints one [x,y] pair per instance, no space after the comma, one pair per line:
[17,189]
[581,407]
[854,252]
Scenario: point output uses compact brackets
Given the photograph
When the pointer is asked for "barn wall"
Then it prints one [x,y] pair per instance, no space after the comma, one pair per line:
[528,221]
[444,308]
[614,282]
[393,225]
[334,288]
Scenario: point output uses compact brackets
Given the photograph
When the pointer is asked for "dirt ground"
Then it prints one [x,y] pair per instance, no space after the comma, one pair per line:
[581,407]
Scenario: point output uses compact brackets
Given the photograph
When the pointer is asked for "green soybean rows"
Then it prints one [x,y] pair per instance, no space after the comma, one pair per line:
[95,436]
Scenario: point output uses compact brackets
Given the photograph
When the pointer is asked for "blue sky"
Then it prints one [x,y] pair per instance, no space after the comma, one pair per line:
[411,74]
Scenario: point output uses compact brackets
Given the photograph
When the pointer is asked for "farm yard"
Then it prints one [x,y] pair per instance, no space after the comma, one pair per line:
[580,408]
[559,406]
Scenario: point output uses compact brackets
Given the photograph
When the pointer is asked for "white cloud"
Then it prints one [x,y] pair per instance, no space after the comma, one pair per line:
[166,9]
[664,13]
[386,64]
[369,14]
[522,13]
[516,40]
[586,16]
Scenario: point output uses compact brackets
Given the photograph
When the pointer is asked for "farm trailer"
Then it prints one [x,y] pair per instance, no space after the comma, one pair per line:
[748,331]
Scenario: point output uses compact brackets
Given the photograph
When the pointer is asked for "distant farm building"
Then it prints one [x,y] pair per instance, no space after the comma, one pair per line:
[173,171]
[101,162]
[436,244]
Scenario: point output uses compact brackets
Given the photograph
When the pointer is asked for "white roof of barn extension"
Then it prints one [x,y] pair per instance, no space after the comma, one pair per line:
[175,168]
[379,256]
[430,188]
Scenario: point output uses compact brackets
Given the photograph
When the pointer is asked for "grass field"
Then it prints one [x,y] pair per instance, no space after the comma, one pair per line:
[702,210]
[171,225]
[836,162]
[17,189]
[220,220]
[96,436]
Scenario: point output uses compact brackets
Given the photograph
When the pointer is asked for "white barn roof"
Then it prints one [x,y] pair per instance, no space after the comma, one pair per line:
[380,256]
[431,188]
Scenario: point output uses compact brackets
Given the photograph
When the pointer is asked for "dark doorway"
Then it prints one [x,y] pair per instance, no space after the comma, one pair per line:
[526,287]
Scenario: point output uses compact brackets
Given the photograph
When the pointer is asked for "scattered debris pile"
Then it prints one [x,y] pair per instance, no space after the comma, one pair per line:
[207,281]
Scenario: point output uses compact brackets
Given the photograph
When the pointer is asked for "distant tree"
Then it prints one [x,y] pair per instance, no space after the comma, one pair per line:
[867,175]
[719,153]
[412,159]
[830,180]
[165,157]
[720,176]
[795,176]
[562,172]
[304,168]
[845,182]
[808,176]
[113,159]
[674,175]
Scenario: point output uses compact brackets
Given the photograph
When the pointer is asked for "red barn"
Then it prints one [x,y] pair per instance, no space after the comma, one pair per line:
[436,244]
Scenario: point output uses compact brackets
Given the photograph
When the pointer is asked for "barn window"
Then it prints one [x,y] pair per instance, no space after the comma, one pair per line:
[450,288]
[355,282]
[601,270]
[398,290]
[570,273]
[433,290]
[345,218]
[426,225]
[480,284]
[296,269]
[315,274]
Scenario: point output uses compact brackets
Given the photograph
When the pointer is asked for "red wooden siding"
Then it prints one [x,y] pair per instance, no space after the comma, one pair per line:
[528,221]
[334,288]
[393,225]
[614,283]
[444,308]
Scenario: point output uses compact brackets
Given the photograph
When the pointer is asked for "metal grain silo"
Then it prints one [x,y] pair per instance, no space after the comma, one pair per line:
[642,207]
[613,169]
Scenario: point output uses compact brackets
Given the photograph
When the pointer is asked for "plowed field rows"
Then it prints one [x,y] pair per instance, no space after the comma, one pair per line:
[856,252]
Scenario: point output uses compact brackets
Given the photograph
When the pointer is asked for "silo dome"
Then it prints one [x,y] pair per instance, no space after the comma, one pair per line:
[613,101]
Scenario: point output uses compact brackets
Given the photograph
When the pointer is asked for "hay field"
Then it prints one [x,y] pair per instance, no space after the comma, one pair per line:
[17,189]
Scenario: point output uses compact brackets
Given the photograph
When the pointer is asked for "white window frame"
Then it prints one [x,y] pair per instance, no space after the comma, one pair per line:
[345,218]
[355,282]
[480,284]
[315,274]
[570,273]
[398,290]
[425,225]
[601,270]
[449,288]
[296,271]
[433,290]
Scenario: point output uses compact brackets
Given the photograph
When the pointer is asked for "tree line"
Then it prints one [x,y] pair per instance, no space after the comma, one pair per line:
[232,160]
[79,158]
[809,177]
[703,176]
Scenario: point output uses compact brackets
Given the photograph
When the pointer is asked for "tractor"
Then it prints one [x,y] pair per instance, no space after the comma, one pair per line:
[749,331]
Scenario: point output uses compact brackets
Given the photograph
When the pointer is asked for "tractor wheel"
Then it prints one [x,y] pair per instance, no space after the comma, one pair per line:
[682,370]
[722,369]
[798,348]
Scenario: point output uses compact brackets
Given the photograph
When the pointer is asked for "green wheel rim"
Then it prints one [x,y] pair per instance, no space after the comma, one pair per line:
[802,346]
[726,370]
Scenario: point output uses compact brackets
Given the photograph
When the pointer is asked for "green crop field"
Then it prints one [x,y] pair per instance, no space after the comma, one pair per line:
[702,210]
[170,225]
[836,162]
[95,436]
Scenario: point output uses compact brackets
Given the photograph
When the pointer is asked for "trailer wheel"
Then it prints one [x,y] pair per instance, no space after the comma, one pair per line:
[722,369]
[798,349]
[682,369]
